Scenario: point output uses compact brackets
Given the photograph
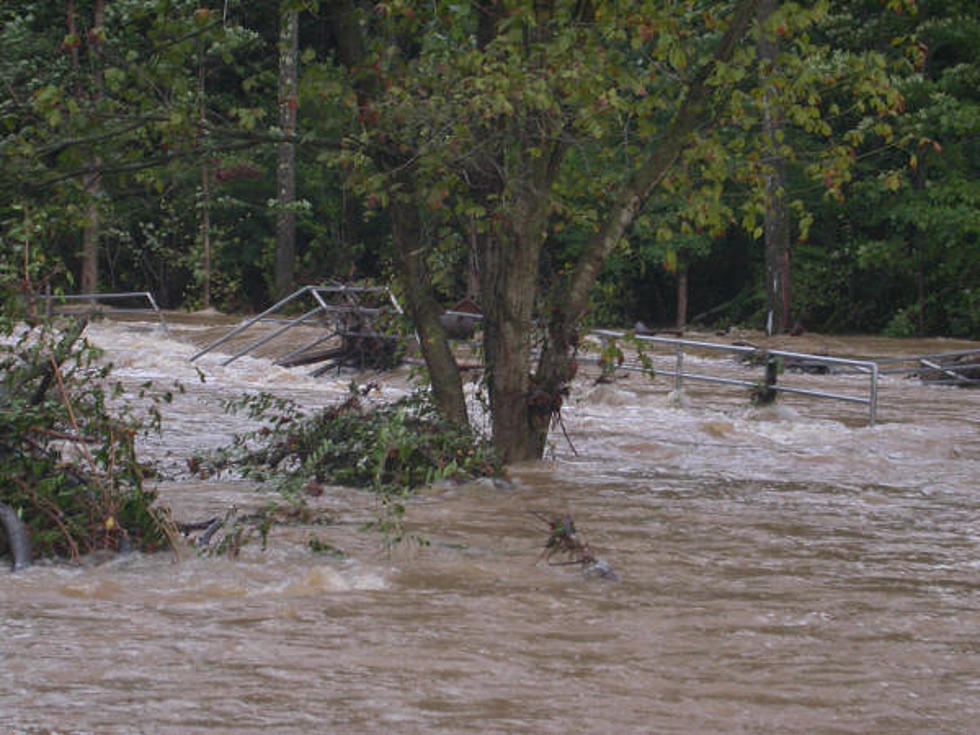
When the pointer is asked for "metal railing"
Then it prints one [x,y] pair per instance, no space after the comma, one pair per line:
[680,345]
[94,298]
[322,308]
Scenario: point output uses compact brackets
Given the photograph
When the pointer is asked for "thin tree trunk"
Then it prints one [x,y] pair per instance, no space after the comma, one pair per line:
[424,310]
[91,182]
[286,168]
[920,278]
[681,293]
[776,218]
[206,235]
[205,201]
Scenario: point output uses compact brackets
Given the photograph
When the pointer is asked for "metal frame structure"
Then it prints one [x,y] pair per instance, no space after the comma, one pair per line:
[322,307]
[680,345]
[96,297]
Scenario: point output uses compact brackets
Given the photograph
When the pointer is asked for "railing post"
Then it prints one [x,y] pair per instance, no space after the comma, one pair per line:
[873,398]
[153,303]
[679,373]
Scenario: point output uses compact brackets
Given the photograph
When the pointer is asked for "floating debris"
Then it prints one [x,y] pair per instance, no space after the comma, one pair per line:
[564,540]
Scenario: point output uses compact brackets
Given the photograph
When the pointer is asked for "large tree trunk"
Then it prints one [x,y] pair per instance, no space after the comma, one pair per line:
[508,271]
[776,218]
[286,167]
[520,409]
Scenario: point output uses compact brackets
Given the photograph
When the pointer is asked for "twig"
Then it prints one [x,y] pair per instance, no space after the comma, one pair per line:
[561,423]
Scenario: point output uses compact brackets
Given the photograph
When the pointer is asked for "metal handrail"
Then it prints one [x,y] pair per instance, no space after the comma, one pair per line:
[679,375]
[113,296]
[322,307]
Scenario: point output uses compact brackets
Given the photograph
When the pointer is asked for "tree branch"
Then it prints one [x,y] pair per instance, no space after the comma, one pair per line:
[654,169]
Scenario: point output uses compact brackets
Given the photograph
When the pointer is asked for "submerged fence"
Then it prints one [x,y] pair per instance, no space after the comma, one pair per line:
[951,368]
[322,296]
[682,346]
[93,299]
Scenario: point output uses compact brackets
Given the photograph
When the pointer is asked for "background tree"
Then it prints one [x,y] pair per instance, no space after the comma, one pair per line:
[286,165]
[477,108]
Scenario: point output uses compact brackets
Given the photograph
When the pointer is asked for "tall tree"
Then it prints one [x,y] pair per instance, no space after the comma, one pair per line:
[286,150]
[776,225]
[89,90]
[476,108]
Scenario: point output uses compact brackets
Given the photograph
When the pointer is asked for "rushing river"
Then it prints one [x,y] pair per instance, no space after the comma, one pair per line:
[782,570]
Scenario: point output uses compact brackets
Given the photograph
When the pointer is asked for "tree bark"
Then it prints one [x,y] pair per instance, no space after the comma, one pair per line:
[286,152]
[508,271]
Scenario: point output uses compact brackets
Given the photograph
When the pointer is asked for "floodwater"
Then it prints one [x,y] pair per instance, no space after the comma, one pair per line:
[786,569]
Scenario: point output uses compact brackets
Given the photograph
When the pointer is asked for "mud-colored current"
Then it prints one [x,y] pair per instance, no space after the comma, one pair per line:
[782,570]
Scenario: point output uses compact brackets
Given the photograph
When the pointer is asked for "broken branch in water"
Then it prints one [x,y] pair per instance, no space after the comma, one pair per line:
[564,539]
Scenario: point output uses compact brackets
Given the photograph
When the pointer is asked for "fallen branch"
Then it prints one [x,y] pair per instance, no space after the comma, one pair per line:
[564,539]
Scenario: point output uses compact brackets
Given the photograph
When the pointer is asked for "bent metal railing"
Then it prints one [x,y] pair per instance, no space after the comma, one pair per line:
[680,345]
[323,307]
[95,298]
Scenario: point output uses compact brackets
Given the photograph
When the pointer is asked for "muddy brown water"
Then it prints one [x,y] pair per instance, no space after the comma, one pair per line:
[782,570]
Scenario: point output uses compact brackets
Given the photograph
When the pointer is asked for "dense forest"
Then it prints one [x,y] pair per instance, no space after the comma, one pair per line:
[776,165]
[143,144]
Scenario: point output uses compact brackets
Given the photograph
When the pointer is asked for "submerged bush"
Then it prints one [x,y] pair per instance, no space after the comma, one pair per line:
[391,448]
[68,466]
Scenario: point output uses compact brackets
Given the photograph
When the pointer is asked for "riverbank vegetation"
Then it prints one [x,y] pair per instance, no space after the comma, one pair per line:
[775,165]
[70,480]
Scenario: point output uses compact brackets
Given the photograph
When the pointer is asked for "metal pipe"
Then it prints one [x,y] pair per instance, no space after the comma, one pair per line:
[873,397]
[394,302]
[48,297]
[90,296]
[304,348]
[245,325]
[270,337]
[864,365]
[749,384]
[156,308]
